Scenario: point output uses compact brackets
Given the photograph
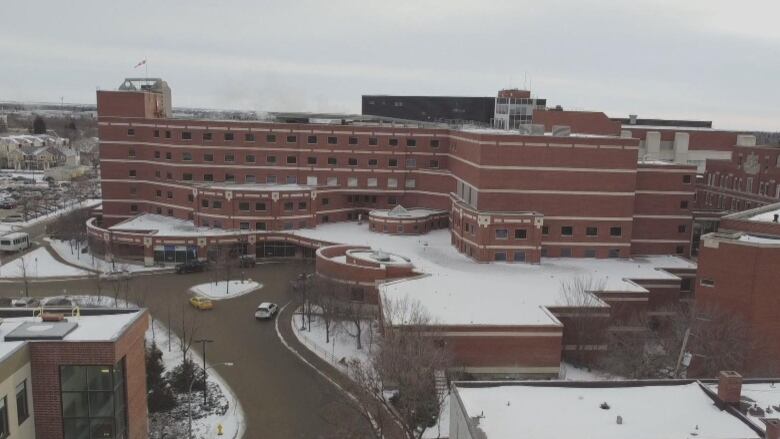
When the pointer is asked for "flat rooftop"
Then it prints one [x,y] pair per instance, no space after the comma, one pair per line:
[674,411]
[165,225]
[453,285]
[767,216]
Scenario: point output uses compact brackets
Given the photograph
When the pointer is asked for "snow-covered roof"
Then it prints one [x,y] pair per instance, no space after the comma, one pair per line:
[402,212]
[455,290]
[259,187]
[766,217]
[759,239]
[165,225]
[674,411]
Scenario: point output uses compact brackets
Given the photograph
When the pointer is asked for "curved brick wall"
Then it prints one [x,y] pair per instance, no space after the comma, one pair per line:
[408,226]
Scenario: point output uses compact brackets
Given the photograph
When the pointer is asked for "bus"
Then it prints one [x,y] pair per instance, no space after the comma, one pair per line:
[14,242]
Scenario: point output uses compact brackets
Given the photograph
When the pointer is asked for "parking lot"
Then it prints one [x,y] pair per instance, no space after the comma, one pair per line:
[281,396]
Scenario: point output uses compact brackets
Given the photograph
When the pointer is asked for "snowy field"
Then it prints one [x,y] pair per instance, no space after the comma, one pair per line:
[12,227]
[38,264]
[226,290]
[72,254]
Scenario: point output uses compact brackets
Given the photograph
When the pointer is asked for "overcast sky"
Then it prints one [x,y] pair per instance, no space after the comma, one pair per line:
[709,59]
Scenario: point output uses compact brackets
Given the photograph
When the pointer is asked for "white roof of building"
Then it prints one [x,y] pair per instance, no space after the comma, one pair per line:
[402,212]
[455,289]
[765,395]
[766,217]
[681,411]
[165,225]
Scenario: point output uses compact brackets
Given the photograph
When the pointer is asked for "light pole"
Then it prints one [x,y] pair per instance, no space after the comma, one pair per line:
[203,342]
[189,393]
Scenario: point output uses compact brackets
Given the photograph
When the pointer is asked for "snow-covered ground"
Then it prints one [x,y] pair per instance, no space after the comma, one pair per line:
[72,254]
[226,290]
[570,372]
[13,227]
[39,263]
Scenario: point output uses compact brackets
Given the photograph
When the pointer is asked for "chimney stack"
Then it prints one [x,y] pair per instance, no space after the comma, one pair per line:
[729,387]
[772,428]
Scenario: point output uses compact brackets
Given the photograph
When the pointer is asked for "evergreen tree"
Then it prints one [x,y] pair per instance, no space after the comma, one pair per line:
[39,125]
[159,394]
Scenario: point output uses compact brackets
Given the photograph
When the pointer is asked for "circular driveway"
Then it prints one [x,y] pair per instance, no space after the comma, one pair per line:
[281,396]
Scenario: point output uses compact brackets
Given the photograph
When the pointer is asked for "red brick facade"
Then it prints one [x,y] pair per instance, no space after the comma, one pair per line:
[750,179]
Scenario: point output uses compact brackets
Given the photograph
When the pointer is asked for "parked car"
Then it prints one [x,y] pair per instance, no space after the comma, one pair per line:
[247,261]
[201,303]
[266,310]
[16,218]
[115,275]
[25,302]
[190,267]
[7,205]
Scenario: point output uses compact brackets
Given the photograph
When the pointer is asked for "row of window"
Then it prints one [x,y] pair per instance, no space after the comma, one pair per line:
[371,182]
[22,409]
[290,138]
[291,159]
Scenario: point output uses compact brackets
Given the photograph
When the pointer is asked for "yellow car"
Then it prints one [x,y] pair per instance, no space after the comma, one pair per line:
[201,303]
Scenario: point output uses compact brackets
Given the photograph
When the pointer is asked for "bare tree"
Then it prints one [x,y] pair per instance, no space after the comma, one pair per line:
[355,314]
[719,340]
[225,265]
[405,366]
[23,263]
[324,296]
[584,316]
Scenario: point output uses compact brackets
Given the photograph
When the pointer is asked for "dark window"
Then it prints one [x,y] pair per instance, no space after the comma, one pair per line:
[519,256]
[157,174]
[259,206]
[259,226]
[325,218]
[332,161]
[434,164]
[567,231]
[249,137]
[591,231]
[291,160]
[131,172]
[566,252]
[131,152]
[392,201]
[207,136]
[301,205]
[168,156]
[544,252]
[230,157]
[615,231]
[270,138]
[332,140]
[156,133]
[683,204]
[186,176]
[186,156]
[502,233]
[230,178]
[291,139]
[216,204]
[312,139]
[681,228]
[270,159]
[208,177]
[434,143]
[5,428]
[373,162]
[131,131]
[288,206]
[158,192]
[244,205]
[392,163]
[679,250]
[167,134]
[169,194]
[325,201]
[614,253]
[311,160]
[250,158]
[133,208]
[590,253]
[545,230]
[352,161]
[157,154]
[229,136]
[208,157]
[707,283]
[190,198]
[499,256]
[686,178]
[186,135]
[394,142]
[686,284]
[93,400]
[373,141]
[353,140]
[411,142]
[243,226]
[521,234]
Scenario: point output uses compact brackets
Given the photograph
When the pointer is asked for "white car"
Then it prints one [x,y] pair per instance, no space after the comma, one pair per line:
[266,310]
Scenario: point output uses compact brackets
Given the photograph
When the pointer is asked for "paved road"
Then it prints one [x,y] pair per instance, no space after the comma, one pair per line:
[281,396]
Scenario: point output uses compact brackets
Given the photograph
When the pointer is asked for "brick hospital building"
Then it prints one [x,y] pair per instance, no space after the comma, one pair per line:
[562,184]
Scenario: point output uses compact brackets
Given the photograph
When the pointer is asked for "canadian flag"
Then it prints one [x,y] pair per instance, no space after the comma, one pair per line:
[140,64]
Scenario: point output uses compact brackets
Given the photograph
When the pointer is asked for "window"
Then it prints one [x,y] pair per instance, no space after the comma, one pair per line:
[686,284]
[208,177]
[613,253]
[243,206]
[133,190]
[707,282]
[131,131]
[291,160]
[333,181]
[325,201]
[157,154]
[301,205]
[434,143]
[393,141]
[250,158]
[371,182]
[260,206]
[207,136]
[681,228]
[566,252]
[373,162]
[392,201]
[229,137]
[353,140]
[230,157]
[332,161]
[288,206]
[567,231]
[686,178]
[544,252]
[352,181]
[204,203]
[131,173]
[190,198]
[311,139]
[683,204]
[270,159]
[392,182]
[169,194]
[291,139]
[157,174]
[208,157]
[259,226]
[373,141]
[167,134]
[411,183]
[411,163]
[332,140]
[590,253]
[521,234]
[186,156]
[519,256]
[352,161]
[615,231]
[93,399]
[216,204]
[545,230]
[392,163]
[186,135]
[133,208]
[156,133]
[679,250]
[249,137]
[591,231]
[131,152]
[502,233]
[186,176]
[243,226]
[411,142]
[499,256]
[311,160]
[292,179]
[434,164]
[311,180]
[230,178]
[5,428]
[168,156]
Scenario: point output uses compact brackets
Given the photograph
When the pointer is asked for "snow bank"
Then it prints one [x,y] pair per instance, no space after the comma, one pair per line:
[39,263]
[91,261]
[226,290]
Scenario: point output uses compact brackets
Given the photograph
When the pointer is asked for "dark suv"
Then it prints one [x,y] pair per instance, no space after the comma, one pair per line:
[247,261]
[190,267]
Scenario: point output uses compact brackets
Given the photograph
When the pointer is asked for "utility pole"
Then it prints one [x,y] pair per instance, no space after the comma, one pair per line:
[203,342]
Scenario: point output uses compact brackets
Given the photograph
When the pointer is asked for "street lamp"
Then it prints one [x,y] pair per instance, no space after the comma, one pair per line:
[189,391]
